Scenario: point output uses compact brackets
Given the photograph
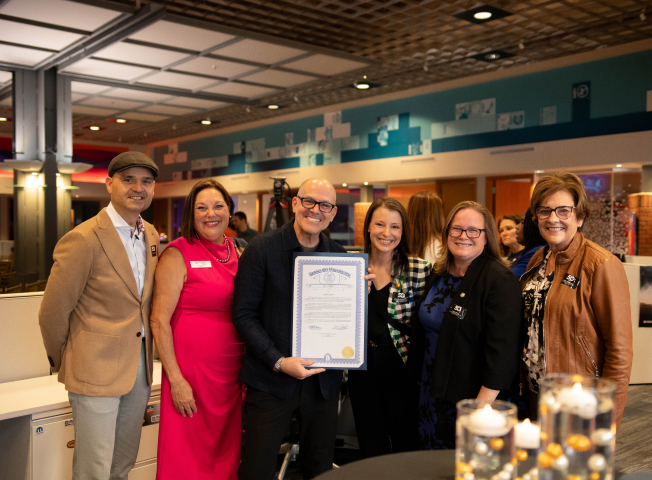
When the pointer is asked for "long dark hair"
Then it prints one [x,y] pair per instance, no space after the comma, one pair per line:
[403,249]
[531,233]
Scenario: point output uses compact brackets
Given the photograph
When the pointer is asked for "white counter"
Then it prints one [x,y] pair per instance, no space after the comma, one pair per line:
[42,394]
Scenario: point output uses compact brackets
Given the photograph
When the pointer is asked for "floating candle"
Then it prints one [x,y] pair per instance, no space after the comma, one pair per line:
[577,401]
[488,422]
[527,435]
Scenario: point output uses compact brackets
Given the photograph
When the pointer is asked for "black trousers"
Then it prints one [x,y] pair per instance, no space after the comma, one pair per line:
[267,419]
[385,404]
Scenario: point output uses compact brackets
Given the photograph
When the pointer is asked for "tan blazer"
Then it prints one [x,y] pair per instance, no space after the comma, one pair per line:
[91,315]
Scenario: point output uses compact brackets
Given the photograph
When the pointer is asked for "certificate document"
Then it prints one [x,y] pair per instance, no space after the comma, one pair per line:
[329,309]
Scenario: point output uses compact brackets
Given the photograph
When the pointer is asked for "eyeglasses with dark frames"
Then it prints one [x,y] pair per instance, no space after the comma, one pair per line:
[309,203]
[562,212]
[470,232]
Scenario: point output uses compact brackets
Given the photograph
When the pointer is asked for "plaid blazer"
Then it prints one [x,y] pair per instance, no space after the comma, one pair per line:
[410,282]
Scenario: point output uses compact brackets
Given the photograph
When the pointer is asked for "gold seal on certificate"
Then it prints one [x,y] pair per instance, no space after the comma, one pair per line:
[329,310]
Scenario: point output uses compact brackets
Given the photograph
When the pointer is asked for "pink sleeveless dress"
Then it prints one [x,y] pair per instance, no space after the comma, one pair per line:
[209,352]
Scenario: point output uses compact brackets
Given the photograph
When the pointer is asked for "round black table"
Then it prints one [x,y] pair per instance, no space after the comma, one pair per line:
[431,465]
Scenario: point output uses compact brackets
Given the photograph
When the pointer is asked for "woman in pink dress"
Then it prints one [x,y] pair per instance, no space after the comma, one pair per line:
[201,396]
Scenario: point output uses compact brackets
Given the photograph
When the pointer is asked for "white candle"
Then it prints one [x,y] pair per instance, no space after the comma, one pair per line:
[527,435]
[488,422]
[577,401]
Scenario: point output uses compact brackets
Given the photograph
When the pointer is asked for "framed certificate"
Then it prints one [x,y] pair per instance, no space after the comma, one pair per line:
[329,310]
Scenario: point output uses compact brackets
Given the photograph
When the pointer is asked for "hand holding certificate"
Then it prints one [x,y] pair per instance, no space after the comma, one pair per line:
[329,323]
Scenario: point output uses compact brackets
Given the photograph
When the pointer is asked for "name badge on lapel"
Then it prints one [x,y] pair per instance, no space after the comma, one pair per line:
[570,281]
[400,298]
[458,311]
[200,264]
[153,249]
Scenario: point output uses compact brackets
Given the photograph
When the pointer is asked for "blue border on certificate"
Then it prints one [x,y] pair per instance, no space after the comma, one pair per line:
[321,258]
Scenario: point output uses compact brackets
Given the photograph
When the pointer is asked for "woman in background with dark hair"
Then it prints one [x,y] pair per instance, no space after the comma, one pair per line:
[510,248]
[382,397]
[426,219]
[528,235]
[466,333]
[201,396]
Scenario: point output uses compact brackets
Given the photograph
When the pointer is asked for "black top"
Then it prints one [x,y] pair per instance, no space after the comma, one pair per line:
[376,316]
[513,258]
[481,334]
[262,310]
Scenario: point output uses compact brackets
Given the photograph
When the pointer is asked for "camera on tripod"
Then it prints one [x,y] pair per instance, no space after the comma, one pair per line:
[279,205]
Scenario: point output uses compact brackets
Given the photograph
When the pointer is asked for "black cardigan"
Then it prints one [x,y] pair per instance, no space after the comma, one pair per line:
[483,347]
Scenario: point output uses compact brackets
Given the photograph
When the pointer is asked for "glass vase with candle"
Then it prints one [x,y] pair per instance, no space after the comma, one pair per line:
[577,428]
[527,439]
[484,441]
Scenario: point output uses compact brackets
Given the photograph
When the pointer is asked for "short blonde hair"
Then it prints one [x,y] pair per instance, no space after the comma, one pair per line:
[491,249]
[561,182]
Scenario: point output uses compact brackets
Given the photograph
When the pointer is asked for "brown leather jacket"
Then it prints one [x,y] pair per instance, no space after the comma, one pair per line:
[587,329]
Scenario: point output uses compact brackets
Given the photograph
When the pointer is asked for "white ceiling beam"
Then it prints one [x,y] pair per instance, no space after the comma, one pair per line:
[111,33]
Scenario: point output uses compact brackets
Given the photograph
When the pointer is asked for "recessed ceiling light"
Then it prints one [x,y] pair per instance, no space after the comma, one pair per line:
[3,119]
[58,174]
[272,107]
[365,84]
[344,185]
[120,120]
[362,85]
[94,128]
[538,171]
[619,165]
[483,14]
[492,56]
[366,183]
[206,122]
[34,173]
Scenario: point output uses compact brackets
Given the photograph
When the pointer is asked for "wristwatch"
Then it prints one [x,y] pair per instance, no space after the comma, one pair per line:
[277,365]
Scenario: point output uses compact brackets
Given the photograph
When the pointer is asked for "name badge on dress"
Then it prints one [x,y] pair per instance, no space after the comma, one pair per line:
[458,311]
[200,264]
[570,281]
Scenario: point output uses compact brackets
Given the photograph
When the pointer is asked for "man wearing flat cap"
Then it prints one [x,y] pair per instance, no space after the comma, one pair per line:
[94,320]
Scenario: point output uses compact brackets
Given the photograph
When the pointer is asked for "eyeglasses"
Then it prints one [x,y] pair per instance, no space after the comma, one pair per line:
[310,203]
[562,212]
[470,232]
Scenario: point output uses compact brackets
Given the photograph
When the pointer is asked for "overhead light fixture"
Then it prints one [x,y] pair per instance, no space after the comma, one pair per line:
[3,119]
[272,107]
[362,85]
[58,174]
[95,128]
[492,56]
[538,171]
[206,122]
[120,120]
[483,14]
[619,165]
[34,173]
[344,185]
[366,183]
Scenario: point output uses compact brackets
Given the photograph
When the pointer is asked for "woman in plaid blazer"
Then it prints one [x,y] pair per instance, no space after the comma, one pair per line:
[383,399]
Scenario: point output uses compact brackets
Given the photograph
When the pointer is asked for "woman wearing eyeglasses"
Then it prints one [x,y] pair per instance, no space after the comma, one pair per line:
[465,341]
[576,296]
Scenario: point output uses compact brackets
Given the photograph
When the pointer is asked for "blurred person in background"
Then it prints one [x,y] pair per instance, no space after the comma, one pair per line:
[425,216]
[528,235]
[509,246]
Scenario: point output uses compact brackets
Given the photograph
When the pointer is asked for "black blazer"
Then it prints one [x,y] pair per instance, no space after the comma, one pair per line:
[262,310]
[482,348]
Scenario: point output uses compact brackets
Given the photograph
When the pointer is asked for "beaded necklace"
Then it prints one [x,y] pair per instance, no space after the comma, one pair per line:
[228,249]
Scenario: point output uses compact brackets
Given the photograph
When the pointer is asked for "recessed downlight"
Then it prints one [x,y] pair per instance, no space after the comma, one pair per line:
[3,119]
[492,56]
[619,165]
[206,122]
[120,120]
[366,183]
[273,107]
[95,128]
[482,15]
[362,85]
[344,184]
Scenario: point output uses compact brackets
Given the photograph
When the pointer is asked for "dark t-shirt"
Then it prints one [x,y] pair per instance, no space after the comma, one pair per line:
[248,234]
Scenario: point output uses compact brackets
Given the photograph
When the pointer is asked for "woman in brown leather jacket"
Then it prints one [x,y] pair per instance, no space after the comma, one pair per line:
[576,296]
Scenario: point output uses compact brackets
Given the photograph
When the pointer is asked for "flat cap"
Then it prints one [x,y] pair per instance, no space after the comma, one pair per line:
[132,159]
